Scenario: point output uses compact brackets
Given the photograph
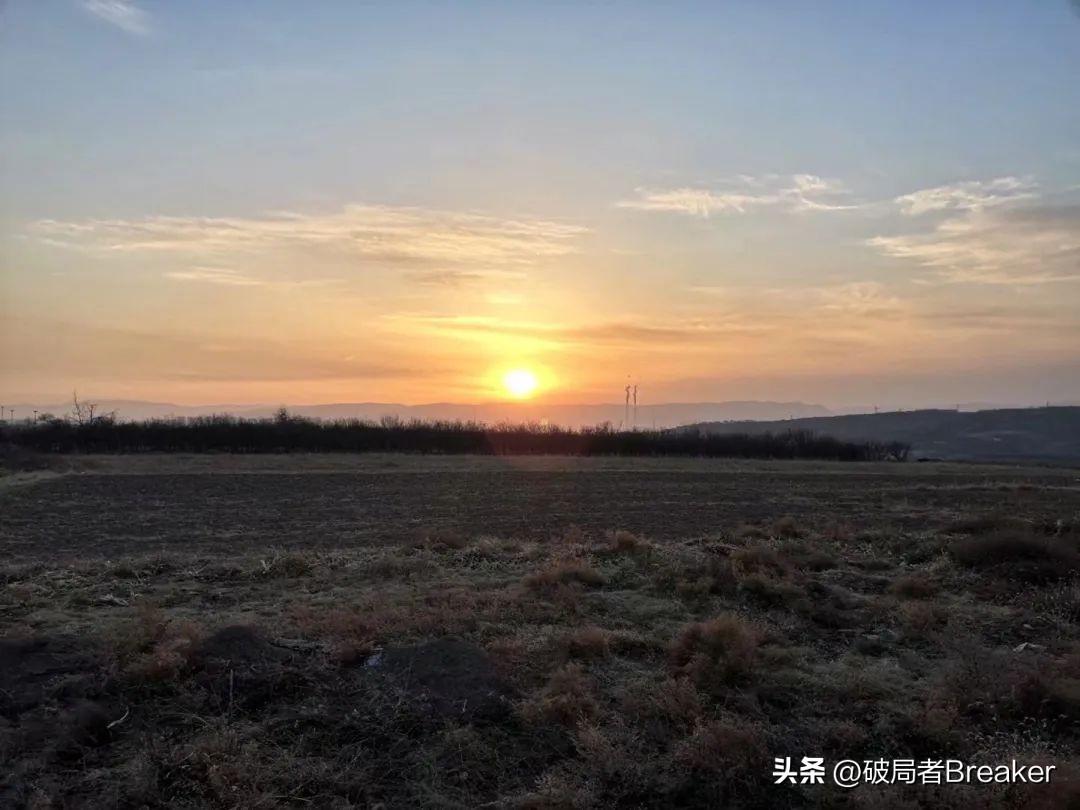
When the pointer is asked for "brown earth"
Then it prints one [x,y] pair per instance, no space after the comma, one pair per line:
[530,633]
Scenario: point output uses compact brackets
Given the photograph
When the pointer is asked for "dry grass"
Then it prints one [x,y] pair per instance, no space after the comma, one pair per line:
[588,642]
[1019,554]
[760,560]
[719,651]
[914,586]
[624,542]
[727,748]
[657,673]
[564,572]
[567,700]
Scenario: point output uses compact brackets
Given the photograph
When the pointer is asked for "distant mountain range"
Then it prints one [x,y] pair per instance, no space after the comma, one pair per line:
[1004,434]
[664,415]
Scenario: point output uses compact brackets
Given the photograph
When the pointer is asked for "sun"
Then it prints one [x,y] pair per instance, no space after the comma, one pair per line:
[519,383]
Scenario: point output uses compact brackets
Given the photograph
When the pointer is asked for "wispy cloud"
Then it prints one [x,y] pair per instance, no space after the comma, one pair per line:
[146,354]
[868,299]
[383,235]
[968,196]
[229,277]
[124,14]
[636,333]
[1021,245]
[460,278]
[795,193]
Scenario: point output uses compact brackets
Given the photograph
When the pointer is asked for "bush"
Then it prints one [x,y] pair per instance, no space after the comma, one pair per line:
[719,651]
[624,542]
[914,586]
[564,572]
[288,433]
[1019,554]
[567,700]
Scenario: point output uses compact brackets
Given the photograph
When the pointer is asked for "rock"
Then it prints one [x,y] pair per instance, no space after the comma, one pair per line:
[1027,645]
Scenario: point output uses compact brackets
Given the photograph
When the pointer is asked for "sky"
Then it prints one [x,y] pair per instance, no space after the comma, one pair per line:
[835,202]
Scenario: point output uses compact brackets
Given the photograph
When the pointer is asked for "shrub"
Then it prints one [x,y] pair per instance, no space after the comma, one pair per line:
[288,433]
[289,565]
[759,560]
[442,540]
[984,524]
[786,527]
[914,586]
[566,700]
[724,747]
[1019,554]
[921,618]
[722,650]
[564,572]
[625,542]
[171,655]
[588,642]
[769,592]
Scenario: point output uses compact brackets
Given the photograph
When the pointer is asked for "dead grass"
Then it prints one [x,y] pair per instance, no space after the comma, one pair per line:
[624,542]
[171,655]
[717,652]
[760,560]
[914,586]
[564,572]
[728,748]
[659,673]
[588,642]
[787,527]
[1019,554]
[287,564]
[567,700]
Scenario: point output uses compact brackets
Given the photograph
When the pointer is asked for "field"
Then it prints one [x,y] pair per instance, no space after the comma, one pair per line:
[424,631]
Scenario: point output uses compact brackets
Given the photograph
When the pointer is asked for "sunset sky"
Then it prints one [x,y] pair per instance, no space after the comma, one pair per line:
[839,202]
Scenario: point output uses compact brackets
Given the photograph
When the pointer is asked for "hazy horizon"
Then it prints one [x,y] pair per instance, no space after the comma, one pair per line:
[841,204]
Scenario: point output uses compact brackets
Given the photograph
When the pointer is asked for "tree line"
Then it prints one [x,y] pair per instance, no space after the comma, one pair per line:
[286,433]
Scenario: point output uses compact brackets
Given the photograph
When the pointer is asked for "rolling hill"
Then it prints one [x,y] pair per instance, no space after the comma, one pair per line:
[1005,434]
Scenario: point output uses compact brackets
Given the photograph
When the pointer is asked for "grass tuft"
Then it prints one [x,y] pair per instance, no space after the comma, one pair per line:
[716,652]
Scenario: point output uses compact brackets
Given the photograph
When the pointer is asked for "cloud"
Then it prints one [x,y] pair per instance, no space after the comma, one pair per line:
[124,14]
[794,193]
[968,196]
[459,278]
[215,275]
[1022,245]
[641,335]
[383,235]
[75,350]
[861,299]
[229,277]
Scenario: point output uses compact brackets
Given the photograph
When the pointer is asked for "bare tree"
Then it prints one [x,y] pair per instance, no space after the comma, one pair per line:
[82,412]
[86,413]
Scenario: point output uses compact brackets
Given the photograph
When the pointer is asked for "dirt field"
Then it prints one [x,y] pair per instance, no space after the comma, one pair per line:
[336,631]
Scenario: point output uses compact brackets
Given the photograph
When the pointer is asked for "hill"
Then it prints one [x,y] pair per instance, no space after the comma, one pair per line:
[1004,434]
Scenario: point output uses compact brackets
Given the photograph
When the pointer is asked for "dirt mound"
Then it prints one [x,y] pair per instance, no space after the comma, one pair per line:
[37,669]
[452,677]
[237,645]
[239,669]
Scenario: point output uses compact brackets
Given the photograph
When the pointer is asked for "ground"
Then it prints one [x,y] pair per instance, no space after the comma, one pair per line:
[408,631]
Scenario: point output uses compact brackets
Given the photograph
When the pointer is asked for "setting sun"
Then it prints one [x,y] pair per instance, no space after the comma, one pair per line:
[520,383]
